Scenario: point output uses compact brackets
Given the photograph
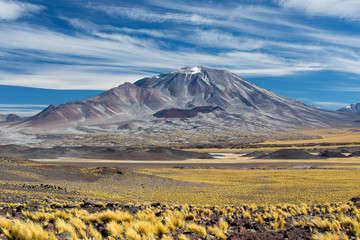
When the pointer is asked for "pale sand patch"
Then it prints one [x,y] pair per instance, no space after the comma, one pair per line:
[227,158]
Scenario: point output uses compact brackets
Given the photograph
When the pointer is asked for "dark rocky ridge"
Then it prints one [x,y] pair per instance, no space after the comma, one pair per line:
[184,113]
[99,153]
[332,154]
[289,154]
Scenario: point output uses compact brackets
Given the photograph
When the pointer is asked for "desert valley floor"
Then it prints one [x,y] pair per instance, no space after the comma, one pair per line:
[319,175]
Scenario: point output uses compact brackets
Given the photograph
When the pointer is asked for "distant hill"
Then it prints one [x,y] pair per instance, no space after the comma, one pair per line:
[9,118]
[355,107]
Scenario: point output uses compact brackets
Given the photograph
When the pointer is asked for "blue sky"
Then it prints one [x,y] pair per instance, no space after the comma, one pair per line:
[57,51]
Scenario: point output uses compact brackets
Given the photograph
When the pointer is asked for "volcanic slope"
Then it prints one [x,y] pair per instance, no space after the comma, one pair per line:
[238,98]
[125,102]
[225,100]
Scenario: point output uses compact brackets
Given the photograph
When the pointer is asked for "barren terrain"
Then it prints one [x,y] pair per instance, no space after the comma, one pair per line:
[242,181]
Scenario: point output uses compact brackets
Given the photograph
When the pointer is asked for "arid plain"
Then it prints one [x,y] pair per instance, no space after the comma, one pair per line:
[290,195]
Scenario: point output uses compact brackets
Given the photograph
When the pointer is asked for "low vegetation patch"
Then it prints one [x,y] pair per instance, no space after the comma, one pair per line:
[162,221]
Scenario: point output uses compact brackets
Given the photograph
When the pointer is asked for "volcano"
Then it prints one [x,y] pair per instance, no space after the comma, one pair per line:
[186,98]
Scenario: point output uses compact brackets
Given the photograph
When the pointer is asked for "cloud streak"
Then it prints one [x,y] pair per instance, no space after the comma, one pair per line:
[22,105]
[78,62]
[12,10]
[250,40]
[331,104]
[21,109]
[347,9]
[151,16]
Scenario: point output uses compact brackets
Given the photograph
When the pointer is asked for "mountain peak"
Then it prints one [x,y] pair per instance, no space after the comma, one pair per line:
[202,86]
[191,70]
[127,85]
[354,107]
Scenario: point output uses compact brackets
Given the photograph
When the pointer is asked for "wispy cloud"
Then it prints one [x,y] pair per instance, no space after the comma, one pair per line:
[12,10]
[331,105]
[250,40]
[225,40]
[21,109]
[23,112]
[93,28]
[22,105]
[151,16]
[78,62]
[343,89]
[347,9]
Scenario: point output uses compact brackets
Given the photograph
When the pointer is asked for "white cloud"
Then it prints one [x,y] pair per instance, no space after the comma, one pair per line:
[21,109]
[238,16]
[23,112]
[98,59]
[22,105]
[279,71]
[219,39]
[341,39]
[331,104]
[348,9]
[108,60]
[151,16]
[93,28]
[71,77]
[344,89]
[12,10]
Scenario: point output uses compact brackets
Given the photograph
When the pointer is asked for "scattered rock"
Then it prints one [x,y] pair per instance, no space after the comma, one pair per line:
[89,201]
[65,236]
[50,227]
[71,206]
[355,199]
[329,154]
[355,154]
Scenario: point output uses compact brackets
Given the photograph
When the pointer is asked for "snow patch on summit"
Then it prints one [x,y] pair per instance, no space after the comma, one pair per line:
[195,70]
[188,70]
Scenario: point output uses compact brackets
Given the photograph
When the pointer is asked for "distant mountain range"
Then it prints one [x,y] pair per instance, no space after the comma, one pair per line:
[186,99]
[9,118]
[355,107]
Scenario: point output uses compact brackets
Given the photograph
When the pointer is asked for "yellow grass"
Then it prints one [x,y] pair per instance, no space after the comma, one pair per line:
[338,221]
[195,228]
[342,166]
[346,135]
[223,186]
[331,236]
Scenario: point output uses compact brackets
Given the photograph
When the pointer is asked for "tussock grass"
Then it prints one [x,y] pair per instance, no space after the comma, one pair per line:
[115,229]
[217,232]
[25,231]
[278,224]
[62,226]
[195,228]
[331,236]
[327,221]
[183,237]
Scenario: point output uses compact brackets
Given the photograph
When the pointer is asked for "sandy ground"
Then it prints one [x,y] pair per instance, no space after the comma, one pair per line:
[222,161]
